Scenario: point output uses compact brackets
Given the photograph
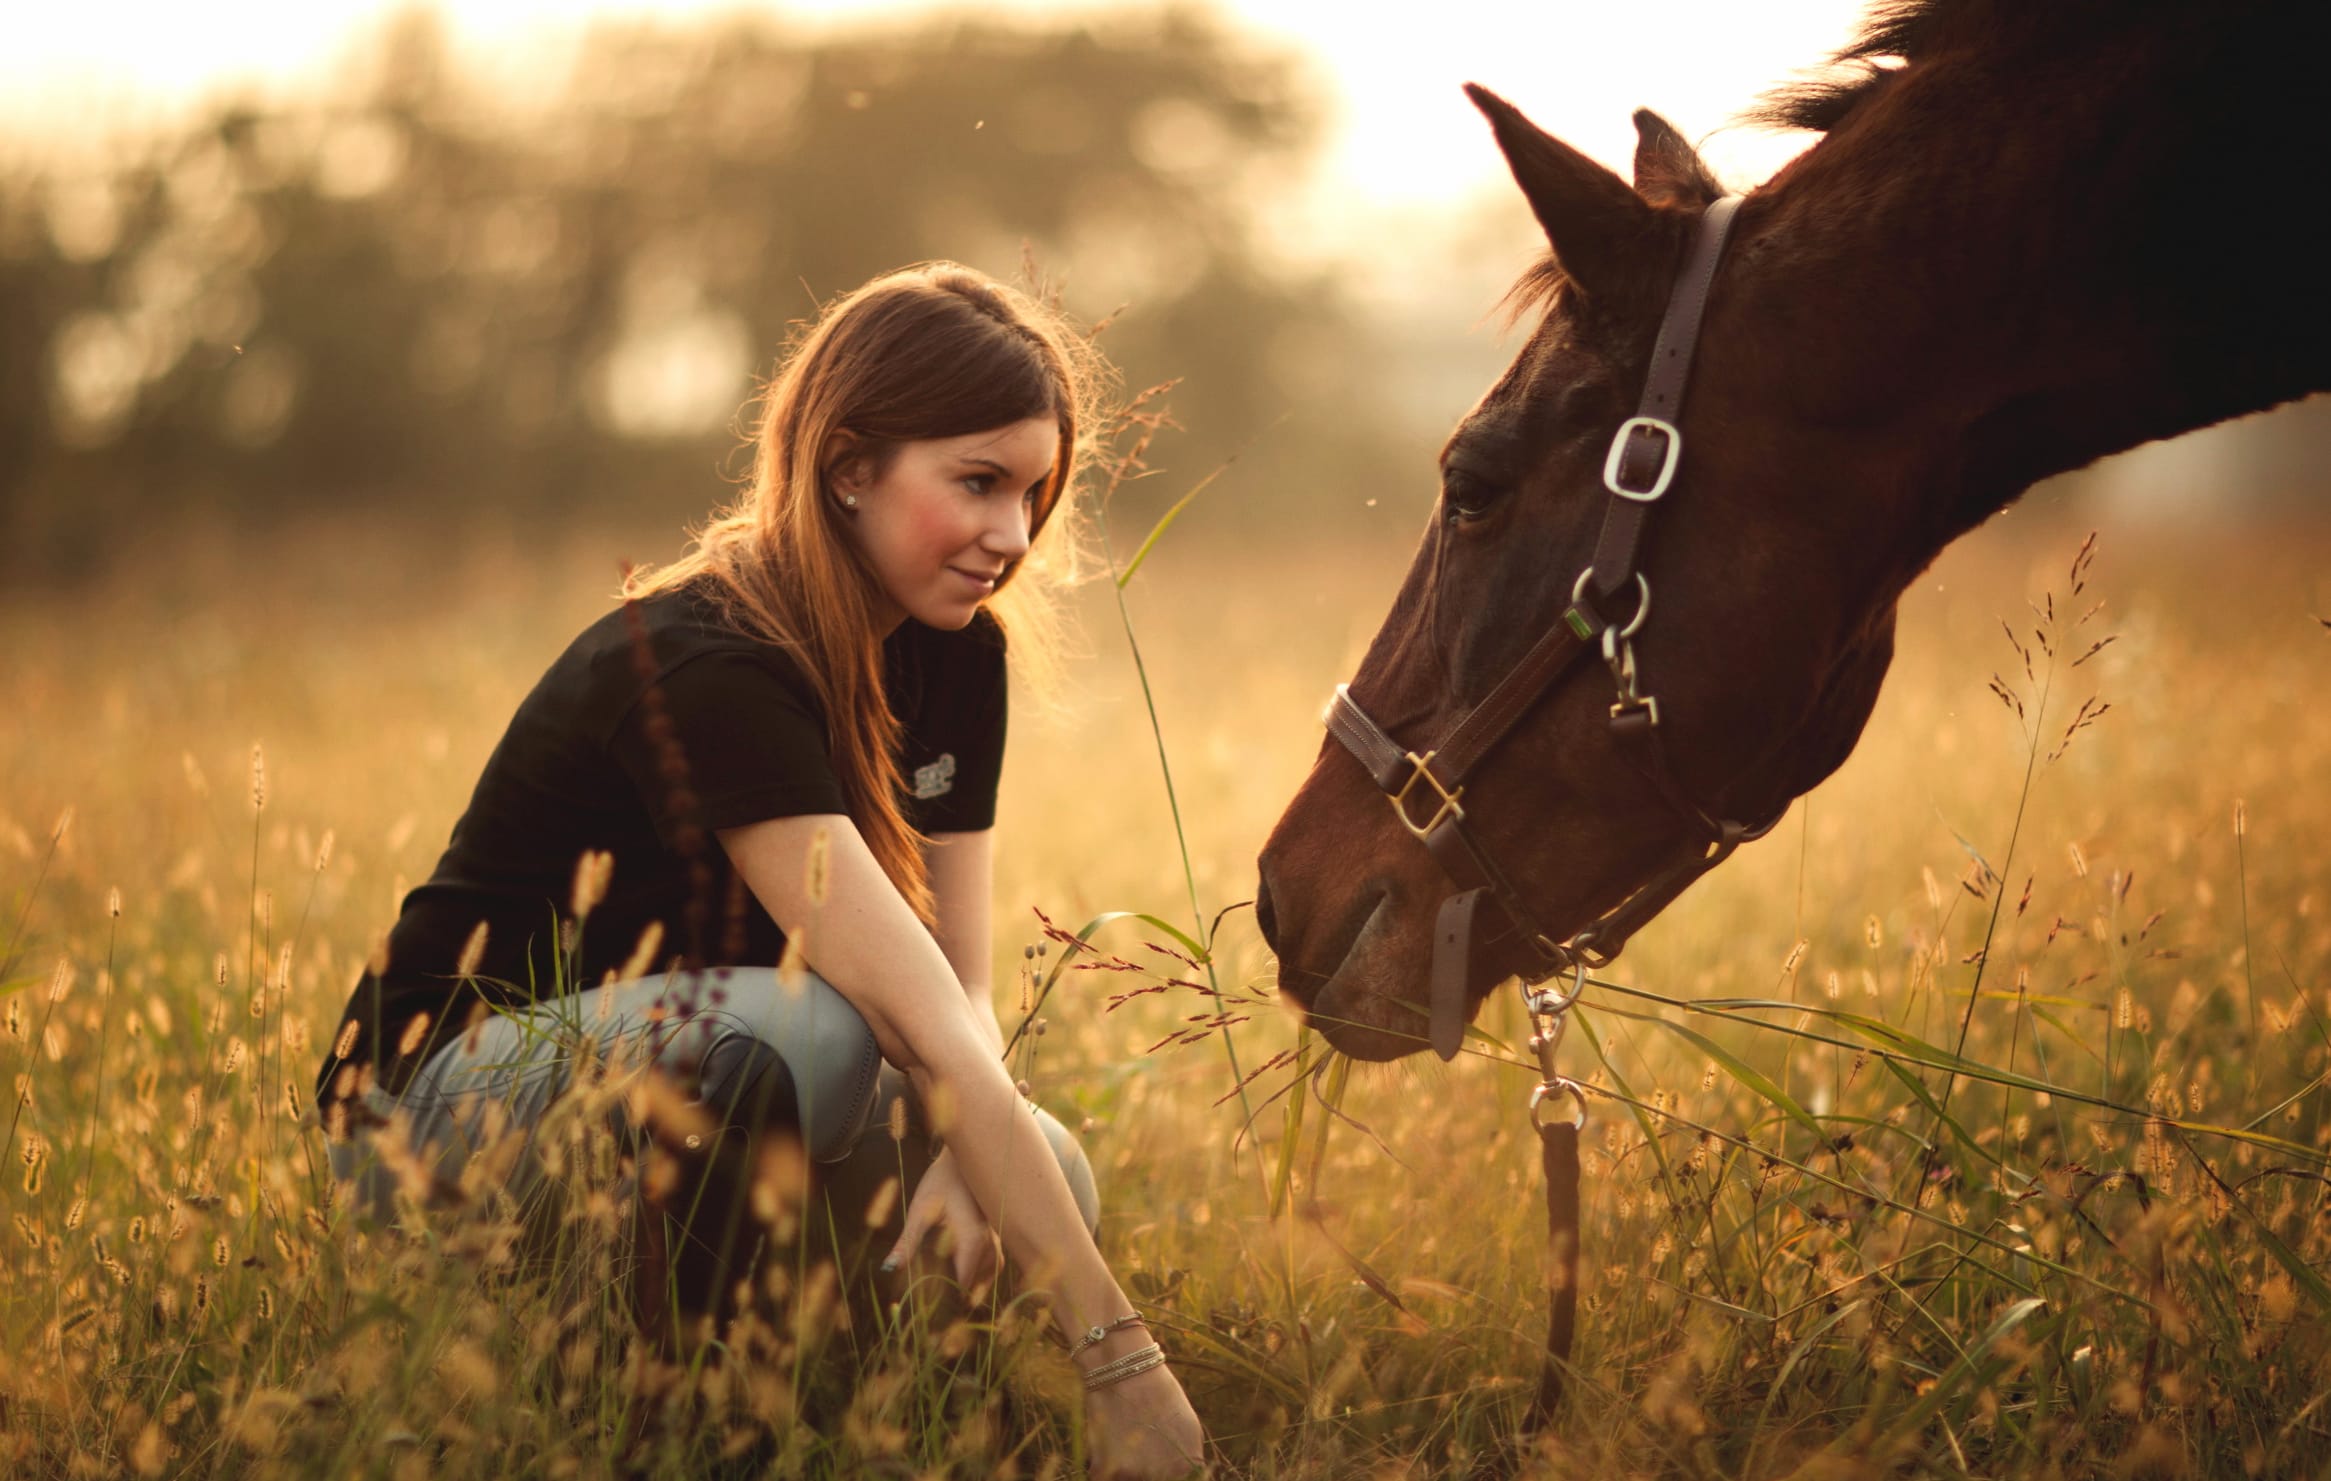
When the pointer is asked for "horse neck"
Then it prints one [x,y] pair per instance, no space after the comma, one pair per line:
[2008,281]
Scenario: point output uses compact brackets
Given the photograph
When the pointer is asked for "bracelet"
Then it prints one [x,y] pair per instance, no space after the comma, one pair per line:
[1130,1319]
[1140,1360]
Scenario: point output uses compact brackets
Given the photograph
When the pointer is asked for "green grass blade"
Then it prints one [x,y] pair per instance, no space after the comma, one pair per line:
[1164,523]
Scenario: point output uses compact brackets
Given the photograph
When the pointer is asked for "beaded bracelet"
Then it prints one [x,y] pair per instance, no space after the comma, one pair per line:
[1130,1319]
[1140,1360]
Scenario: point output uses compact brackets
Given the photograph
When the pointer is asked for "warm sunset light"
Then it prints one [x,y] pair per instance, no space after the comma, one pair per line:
[1402,133]
[1185,740]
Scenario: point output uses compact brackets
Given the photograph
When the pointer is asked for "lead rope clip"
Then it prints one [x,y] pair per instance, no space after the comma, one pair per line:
[1549,1010]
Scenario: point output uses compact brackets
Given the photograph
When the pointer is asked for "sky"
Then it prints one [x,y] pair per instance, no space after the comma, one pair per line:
[1403,136]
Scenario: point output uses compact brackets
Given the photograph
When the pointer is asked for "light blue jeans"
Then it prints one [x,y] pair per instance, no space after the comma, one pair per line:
[483,1097]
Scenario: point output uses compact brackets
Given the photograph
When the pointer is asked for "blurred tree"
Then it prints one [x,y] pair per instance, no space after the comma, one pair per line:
[408,293]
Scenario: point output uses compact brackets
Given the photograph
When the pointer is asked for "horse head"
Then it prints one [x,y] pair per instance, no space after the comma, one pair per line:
[1763,658]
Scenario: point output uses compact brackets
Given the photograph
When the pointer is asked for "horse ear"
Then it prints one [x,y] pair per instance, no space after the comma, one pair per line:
[1668,171]
[1594,220]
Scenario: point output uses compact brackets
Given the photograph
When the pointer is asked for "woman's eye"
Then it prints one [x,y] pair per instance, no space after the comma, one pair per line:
[1466,495]
[980,483]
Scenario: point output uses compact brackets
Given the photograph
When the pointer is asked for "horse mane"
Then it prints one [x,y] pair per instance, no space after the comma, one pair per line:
[1895,34]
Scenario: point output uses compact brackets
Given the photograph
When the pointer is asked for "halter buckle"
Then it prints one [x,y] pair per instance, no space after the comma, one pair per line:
[1612,470]
[1447,806]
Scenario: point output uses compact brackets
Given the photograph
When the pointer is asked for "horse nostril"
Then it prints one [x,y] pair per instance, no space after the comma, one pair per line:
[1266,918]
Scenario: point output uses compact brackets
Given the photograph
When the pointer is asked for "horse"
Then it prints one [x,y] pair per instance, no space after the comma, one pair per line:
[2028,236]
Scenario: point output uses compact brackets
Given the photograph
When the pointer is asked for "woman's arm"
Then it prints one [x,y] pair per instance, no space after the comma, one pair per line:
[866,942]
[869,945]
[962,868]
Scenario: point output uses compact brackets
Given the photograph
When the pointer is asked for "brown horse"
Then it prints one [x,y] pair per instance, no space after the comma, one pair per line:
[2032,235]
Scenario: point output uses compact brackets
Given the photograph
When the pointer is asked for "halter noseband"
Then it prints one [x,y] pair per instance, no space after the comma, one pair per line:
[1427,791]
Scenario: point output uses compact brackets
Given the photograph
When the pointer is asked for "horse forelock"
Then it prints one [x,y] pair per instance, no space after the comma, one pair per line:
[1536,292]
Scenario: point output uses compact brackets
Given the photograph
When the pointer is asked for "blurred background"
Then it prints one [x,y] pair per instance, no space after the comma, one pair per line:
[345,350]
[506,270]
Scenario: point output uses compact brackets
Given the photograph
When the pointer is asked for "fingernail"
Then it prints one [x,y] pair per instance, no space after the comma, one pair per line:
[890,1265]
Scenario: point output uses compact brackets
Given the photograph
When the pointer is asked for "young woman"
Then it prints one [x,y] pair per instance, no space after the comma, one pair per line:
[794,732]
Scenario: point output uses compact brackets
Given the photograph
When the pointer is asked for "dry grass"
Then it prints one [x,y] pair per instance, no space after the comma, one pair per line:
[2121,1272]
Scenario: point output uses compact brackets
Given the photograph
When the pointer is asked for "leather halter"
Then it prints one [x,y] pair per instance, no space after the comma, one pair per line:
[1427,790]
[1641,465]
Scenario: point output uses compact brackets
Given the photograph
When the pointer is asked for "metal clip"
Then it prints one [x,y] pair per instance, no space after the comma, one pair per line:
[1560,1085]
[1546,1039]
[1545,1002]
[1621,658]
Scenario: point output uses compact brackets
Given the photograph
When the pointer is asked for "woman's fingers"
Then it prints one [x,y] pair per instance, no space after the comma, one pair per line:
[921,1213]
[976,1256]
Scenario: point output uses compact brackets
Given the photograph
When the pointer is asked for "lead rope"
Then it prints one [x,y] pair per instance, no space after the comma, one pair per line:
[1558,1153]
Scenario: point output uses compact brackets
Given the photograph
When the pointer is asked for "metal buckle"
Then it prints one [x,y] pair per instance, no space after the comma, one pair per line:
[1447,807]
[1618,455]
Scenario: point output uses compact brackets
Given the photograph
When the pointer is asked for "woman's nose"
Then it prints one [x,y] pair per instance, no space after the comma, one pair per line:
[1007,534]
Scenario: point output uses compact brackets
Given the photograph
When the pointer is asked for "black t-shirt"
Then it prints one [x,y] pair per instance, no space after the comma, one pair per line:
[582,767]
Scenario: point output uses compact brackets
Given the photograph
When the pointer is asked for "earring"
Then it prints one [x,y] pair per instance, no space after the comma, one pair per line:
[849,501]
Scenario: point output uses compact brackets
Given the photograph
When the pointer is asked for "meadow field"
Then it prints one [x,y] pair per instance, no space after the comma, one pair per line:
[1821,1238]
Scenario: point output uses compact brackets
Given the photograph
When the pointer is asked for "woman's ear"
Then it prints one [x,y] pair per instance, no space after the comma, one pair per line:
[849,467]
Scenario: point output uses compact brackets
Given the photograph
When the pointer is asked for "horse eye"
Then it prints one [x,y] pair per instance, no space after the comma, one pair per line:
[1467,495]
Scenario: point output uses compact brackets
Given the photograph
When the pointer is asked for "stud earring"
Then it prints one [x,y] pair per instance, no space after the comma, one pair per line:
[849,501]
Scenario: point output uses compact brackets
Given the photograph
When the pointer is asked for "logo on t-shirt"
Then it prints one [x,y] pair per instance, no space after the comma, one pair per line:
[936,779]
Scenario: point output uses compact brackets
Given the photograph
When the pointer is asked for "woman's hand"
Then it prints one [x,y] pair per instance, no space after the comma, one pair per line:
[943,1201]
[1144,1429]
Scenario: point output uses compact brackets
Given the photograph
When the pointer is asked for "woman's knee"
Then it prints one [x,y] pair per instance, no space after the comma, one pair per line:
[822,1042]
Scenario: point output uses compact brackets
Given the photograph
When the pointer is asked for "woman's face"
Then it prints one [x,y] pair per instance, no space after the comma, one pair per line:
[947,515]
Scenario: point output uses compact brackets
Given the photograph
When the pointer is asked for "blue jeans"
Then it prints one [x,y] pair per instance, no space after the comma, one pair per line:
[730,1060]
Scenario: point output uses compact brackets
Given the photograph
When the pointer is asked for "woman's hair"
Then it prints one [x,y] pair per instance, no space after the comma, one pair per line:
[935,350]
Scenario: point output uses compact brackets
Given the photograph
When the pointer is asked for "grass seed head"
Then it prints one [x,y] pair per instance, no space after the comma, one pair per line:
[643,952]
[415,1032]
[592,871]
[258,778]
[473,951]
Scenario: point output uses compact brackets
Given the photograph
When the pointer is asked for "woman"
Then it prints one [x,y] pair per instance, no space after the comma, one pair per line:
[791,734]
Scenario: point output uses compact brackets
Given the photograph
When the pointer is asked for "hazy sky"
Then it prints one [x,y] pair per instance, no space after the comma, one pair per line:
[1405,135]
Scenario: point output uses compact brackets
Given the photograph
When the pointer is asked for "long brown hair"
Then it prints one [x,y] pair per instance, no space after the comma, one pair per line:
[935,350]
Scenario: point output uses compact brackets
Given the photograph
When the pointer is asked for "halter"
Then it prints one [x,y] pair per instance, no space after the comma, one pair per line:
[1427,791]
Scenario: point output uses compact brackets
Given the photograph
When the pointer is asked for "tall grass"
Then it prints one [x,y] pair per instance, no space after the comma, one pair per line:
[2004,1154]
